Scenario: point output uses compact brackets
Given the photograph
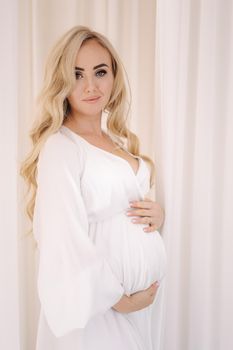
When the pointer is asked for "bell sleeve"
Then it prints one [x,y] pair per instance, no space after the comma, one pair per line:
[74,281]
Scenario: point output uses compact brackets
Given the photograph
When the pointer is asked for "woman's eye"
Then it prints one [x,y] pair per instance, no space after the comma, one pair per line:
[101,73]
[78,75]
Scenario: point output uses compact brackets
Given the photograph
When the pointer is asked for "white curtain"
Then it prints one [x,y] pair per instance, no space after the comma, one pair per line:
[194,156]
[9,286]
[178,57]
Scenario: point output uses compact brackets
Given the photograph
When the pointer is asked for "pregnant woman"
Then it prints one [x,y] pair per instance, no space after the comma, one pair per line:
[96,268]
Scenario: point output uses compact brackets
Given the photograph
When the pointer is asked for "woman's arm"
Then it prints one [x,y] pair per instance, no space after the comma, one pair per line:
[75,281]
[137,301]
[149,212]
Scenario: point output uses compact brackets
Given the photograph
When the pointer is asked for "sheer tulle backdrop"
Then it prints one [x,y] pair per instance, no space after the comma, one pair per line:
[178,56]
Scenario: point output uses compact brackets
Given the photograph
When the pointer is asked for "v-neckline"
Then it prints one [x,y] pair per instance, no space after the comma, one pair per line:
[109,153]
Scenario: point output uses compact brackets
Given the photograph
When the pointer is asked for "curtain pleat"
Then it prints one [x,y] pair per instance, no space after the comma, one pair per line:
[195,154]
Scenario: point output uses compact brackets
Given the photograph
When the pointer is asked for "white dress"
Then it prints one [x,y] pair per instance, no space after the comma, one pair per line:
[89,251]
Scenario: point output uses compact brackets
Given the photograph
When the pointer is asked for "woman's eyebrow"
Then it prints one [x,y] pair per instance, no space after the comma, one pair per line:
[98,66]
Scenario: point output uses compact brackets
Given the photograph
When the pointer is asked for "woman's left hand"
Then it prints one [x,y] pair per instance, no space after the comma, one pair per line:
[147,212]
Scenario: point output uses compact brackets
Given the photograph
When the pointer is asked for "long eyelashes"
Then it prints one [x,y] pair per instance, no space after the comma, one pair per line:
[100,73]
[78,75]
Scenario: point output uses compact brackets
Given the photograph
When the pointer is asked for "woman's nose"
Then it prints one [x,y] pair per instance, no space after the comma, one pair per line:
[90,85]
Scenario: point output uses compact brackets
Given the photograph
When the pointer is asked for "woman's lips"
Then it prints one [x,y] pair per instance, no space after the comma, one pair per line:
[92,99]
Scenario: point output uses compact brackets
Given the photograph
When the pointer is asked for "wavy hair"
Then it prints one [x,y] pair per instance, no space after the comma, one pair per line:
[53,106]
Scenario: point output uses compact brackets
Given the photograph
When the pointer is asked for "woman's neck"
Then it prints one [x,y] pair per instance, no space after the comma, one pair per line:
[84,125]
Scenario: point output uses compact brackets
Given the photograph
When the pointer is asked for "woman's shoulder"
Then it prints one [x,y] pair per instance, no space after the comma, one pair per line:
[61,147]
[63,140]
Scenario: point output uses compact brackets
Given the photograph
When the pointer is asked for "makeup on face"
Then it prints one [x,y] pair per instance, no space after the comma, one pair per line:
[94,80]
[99,73]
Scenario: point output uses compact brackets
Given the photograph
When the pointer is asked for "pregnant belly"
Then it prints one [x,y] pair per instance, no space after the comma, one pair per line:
[137,258]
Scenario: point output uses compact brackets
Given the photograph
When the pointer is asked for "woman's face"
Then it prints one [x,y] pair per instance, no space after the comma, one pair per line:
[94,80]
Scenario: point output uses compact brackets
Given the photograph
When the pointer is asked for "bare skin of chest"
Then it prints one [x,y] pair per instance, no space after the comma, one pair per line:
[105,143]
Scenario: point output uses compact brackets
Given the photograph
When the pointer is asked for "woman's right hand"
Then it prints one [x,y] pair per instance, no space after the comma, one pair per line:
[137,301]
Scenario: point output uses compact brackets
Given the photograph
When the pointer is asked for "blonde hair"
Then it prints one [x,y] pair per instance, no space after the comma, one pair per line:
[53,106]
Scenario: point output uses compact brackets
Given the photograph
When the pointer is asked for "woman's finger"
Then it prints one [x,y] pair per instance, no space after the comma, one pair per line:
[145,204]
[151,228]
[139,212]
[146,220]
[143,220]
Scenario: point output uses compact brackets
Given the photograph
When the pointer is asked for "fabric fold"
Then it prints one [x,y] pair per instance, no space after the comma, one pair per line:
[75,282]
